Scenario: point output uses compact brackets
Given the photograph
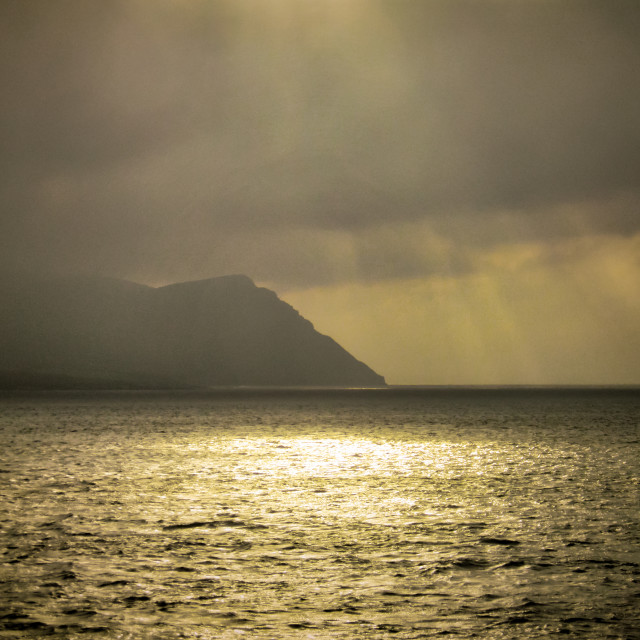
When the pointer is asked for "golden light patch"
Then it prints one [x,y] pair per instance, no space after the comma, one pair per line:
[562,314]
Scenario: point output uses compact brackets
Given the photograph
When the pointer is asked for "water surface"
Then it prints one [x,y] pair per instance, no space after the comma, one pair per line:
[401,513]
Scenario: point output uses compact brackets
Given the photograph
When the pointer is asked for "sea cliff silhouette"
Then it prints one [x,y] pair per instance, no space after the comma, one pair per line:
[86,332]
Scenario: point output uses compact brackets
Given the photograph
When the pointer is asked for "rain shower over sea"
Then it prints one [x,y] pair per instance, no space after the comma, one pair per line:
[394,513]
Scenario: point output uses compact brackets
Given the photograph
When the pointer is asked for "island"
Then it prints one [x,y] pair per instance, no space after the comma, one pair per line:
[95,332]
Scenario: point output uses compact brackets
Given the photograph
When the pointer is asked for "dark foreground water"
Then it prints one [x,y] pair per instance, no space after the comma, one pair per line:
[372,514]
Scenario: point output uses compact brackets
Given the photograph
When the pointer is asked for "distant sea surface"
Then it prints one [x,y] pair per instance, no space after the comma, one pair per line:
[398,513]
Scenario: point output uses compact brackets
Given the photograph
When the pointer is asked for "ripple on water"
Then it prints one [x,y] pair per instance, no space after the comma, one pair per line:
[168,517]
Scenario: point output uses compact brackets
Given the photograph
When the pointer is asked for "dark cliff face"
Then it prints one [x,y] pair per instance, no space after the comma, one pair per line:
[222,331]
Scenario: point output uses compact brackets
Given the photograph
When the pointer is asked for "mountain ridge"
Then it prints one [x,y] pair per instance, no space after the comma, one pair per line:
[222,331]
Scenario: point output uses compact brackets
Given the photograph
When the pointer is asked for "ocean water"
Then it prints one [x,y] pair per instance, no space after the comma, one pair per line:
[399,513]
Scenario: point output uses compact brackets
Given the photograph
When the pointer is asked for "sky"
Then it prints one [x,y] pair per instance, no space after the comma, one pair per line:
[449,188]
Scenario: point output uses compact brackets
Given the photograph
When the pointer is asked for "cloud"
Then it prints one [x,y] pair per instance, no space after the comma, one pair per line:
[311,141]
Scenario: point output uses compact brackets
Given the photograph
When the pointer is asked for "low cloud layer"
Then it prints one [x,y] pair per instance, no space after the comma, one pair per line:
[307,143]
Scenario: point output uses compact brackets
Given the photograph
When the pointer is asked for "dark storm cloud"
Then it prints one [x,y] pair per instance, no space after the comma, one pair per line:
[148,137]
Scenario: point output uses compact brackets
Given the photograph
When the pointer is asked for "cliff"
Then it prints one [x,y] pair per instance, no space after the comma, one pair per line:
[99,332]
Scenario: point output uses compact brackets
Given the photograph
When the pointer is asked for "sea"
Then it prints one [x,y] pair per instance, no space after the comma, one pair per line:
[493,513]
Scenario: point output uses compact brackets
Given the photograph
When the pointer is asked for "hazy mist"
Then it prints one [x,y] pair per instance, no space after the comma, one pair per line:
[468,171]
